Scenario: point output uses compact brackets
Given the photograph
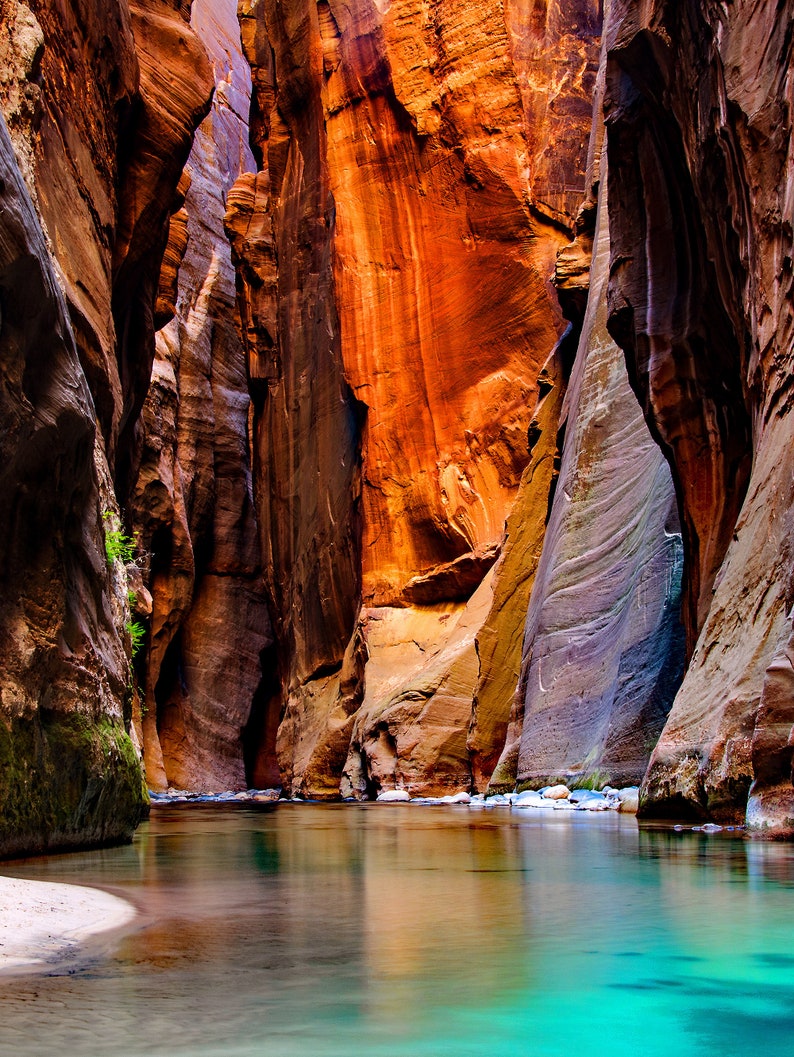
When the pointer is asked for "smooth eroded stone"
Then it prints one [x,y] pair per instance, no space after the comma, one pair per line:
[528,796]
[701,301]
[394,796]
[603,648]
[579,796]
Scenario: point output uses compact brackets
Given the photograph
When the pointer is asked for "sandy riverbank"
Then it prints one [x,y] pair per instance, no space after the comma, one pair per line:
[44,924]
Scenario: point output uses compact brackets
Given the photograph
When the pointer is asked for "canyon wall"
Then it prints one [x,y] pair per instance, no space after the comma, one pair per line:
[412,476]
[700,152]
[204,695]
[419,168]
[603,647]
[100,103]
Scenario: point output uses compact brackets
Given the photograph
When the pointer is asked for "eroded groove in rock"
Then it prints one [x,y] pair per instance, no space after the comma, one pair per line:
[192,499]
[499,641]
[176,85]
[68,772]
[699,120]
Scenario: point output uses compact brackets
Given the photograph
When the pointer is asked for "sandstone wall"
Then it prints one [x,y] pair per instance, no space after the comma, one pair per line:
[700,199]
[395,255]
[205,699]
[101,102]
[603,644]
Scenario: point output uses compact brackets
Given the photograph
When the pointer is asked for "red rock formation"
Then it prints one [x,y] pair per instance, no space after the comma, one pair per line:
[68,771]
[101,111]
[395,254]
[305,428]
[174,95]
[193,506]
[700,155]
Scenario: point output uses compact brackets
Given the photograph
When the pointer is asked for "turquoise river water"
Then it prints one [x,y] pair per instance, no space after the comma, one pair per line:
[406,931]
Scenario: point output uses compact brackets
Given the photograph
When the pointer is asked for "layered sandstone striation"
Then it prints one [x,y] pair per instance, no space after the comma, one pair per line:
[395,254]
[207,620]
[68,771]
[700,200]
[90,170]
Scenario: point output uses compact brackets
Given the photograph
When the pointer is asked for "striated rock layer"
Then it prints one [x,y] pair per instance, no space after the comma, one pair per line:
[394,258]
[203,712]
[101,102]
[698,108]
[603,646]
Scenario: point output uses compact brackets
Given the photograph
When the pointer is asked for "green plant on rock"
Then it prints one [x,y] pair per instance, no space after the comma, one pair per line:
[136,632]
[593,780]
[118,545]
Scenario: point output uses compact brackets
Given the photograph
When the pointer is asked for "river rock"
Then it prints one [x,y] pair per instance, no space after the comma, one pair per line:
[580,795]
[394,796]
[556,792]
[527,796]
[594,804]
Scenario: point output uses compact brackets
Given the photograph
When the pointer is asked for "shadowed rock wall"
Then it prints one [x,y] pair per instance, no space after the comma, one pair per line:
[603,646]
[101,104]
[193,511]
[700,199]
[68,771]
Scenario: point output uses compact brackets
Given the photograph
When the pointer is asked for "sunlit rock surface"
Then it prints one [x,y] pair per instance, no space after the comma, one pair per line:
[193,508]
[700,154]
[394,258]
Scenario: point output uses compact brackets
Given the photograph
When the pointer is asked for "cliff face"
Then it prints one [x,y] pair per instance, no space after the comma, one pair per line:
[82,222]
[193,512]
[395,275]
[603,644]
[700,200]
[68,771]
[398,523]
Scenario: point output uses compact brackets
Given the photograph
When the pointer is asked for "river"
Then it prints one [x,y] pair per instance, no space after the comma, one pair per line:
[407,931]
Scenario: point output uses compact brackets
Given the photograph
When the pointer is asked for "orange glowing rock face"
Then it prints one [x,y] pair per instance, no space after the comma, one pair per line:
[442,262]
[421,165]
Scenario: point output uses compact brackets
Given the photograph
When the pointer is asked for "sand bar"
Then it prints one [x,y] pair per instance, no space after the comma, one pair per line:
[43,924]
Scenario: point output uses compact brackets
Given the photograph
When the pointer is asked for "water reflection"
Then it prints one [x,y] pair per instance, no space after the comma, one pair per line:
[394,931]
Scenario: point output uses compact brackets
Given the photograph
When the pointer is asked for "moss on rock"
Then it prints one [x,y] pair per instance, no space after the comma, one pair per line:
[67,782]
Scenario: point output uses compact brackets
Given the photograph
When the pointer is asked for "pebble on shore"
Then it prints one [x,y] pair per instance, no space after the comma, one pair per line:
[557,796]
